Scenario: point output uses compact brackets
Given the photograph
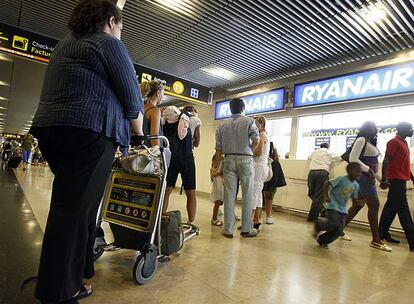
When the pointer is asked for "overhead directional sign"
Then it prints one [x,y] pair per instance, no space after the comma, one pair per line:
[176,87]
[390,80]
[266,102]
[37,47]
[26,44]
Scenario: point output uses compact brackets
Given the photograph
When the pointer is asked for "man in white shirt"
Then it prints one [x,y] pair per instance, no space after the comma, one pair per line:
[320,161]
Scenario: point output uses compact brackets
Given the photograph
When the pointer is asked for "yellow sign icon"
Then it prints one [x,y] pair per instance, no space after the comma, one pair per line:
[20,43]
[146,77]
[178,87]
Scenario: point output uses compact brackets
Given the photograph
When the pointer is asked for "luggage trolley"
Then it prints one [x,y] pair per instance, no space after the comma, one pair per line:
[132,205]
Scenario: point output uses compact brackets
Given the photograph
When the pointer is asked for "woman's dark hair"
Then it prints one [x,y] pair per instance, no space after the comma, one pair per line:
[91,16]
[366,132]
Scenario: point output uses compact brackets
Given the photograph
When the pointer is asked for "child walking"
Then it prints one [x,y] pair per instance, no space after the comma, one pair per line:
[217,188]
[341,189]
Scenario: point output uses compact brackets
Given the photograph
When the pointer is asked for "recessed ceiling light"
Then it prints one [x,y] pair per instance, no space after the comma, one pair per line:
[219,72]
[375,12]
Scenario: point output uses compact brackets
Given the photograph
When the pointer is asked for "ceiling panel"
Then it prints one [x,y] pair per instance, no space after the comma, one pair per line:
[251,38]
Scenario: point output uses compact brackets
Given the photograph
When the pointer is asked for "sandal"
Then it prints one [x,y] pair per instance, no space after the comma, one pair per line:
[216,223]
[382,247]
[83,293]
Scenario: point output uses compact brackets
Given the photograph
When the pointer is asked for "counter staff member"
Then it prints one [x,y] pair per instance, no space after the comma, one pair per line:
[237,138]
[320,161]
[395,174]
[89,102]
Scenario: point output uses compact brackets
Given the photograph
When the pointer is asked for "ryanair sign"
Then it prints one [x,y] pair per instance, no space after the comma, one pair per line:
[389,129]
[374,83]
[255,104]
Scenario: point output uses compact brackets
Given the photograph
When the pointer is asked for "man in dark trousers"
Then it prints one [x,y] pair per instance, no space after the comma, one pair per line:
[320,161]
[395,174]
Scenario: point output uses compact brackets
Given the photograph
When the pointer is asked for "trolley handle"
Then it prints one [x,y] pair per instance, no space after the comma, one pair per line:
[141,138]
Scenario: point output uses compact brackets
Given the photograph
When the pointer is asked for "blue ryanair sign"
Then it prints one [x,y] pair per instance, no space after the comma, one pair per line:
[255,104]
[390,80]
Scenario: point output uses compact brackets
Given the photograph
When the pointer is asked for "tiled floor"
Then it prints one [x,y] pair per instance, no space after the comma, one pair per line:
[282,265]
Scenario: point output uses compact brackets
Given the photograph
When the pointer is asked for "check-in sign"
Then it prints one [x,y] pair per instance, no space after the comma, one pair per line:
[255,104]
[390,80]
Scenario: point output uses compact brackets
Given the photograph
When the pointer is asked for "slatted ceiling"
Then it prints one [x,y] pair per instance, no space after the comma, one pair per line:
[47,17]
[9,11]
[259,40]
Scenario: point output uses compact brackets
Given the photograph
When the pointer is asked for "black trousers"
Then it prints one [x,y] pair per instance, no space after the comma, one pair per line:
[397,204]
[81,161]
[334,224]
[316,180]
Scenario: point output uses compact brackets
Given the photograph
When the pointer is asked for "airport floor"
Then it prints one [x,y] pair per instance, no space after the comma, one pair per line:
[282,265]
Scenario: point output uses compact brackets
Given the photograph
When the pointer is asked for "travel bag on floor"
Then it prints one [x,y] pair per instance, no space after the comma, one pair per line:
[172,234]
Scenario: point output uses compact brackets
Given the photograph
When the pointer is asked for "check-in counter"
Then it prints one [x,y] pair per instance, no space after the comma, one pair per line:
[295,195]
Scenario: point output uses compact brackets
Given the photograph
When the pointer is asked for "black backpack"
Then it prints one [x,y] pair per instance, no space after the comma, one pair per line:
[179,148]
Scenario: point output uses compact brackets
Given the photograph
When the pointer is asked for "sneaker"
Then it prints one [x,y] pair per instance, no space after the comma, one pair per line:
[346,237]
[258,226]
[269,220]
[252,233]
[382,247]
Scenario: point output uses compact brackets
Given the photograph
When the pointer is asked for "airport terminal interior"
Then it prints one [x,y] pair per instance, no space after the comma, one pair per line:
[315,71]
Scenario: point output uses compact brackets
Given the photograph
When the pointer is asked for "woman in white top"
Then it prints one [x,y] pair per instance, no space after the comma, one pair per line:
[261,170]
[366,153]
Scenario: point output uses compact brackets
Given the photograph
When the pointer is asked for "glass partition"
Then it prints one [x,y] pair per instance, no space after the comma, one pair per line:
[340,129]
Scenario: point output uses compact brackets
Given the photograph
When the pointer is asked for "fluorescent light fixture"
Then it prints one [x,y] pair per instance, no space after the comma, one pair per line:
[4,83]
[172,4]
[375,12]
[120,4]
[3,98]
[219,72]
[5,58]
[3,108]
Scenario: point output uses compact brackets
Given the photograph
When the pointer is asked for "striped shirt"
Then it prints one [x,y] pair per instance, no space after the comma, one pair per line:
[236,134]
[90,83]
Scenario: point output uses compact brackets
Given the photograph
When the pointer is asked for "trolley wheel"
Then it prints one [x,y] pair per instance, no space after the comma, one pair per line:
[144,268]
[97,252]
